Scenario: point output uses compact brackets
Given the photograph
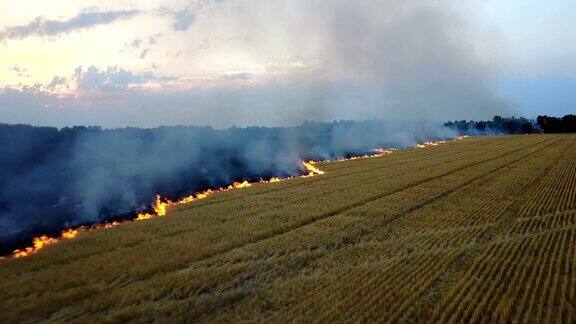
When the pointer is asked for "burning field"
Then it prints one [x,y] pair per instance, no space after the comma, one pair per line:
[159,207]
[54,180]
[481,229]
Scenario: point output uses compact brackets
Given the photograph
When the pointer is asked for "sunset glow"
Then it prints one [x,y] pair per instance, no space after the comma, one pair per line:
[194,59]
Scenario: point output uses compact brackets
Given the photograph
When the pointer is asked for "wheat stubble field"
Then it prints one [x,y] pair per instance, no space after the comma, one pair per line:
[481,229]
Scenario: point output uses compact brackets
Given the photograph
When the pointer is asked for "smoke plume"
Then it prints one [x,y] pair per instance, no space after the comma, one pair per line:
[77,176]
[393,60]
[410,62]
[300,60]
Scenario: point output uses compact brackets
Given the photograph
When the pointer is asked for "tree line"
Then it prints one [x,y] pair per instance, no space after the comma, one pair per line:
[514,125]
[566,124]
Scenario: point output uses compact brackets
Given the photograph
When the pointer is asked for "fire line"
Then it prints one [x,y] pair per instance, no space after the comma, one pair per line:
[160,206]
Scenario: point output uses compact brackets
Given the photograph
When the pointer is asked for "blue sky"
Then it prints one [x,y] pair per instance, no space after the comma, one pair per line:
[538,34]
[539,70]
[263,62]
[554,95]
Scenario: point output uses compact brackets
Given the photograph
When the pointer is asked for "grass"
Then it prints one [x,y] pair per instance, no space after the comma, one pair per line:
[482,229]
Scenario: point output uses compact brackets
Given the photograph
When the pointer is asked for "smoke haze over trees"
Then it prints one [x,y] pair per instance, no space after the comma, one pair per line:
[53,179]
[498,125]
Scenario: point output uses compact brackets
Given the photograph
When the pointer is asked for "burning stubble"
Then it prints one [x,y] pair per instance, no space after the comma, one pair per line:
[161,206]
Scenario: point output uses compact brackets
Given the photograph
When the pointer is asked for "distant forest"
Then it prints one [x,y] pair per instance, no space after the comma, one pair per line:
[513,125]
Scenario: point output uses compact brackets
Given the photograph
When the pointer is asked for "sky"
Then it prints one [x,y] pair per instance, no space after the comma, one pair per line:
[148,63]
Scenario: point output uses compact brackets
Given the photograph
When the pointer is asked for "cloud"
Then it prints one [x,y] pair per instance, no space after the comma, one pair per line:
[111,79]
[183,20]
[45,27]
[375,59]
[243,76]
[56,83]
[144,53]
[136,43]
[119,98]
[153,40]
[20,71]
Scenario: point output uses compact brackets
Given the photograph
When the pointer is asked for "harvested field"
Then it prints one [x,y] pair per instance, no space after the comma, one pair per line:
[482,229]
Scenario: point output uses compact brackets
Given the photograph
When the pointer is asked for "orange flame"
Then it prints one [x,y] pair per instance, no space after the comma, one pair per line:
[311,168]
[41,242]
[191,198]
[69,234]
[430,143]
[240,185]
[110,225]
[144,216]
[379,152]
[160,206]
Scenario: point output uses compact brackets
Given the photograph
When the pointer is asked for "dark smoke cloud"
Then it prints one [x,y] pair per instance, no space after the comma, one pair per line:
[41,26]
[394,59]
[54,179]
[418,54]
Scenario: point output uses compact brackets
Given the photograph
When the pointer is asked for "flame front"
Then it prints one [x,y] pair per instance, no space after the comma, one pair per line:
[431,143]
[160,206]
[42,241]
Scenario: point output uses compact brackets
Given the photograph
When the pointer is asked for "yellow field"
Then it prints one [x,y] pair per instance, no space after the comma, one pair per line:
[481,229]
